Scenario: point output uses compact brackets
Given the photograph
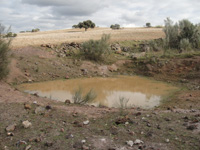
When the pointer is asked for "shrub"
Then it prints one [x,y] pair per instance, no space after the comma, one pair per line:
[171,32]
[35,30]
[96,50]
[78,97]
[10,34]
[159,26]
[185,44]
[14,35]
[4,49]
[115,26]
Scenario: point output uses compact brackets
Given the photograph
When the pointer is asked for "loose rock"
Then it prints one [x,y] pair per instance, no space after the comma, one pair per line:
[129,143]
[67,102]
[11,128]
[137,141]
[192,127]
[10,134]
[167,140]
[27,106]
[40,110]
[48,144]
[86,122]
[26,124]
[28,147]
[85,147]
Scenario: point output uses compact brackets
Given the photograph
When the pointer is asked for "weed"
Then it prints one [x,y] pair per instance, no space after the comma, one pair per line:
[123,104]
[78,97]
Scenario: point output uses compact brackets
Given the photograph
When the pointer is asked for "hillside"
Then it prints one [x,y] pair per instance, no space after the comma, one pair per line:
[79,35]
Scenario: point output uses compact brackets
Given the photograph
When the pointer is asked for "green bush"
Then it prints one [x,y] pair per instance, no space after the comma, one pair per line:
[115,26]
[96,50]
[4,49]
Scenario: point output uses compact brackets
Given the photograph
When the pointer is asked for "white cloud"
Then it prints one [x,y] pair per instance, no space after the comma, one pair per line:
[51,14]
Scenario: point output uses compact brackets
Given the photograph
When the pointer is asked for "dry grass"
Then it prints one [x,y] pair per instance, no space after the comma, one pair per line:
[79,35]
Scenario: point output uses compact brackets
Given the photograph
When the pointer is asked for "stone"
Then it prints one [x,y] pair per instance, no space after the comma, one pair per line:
[86,122]
[69,136]
[158,127]
[48,144]
[67,101]
[129,143]
[77,145]
[11,127]
[66,77]
[103,140]
[85,71]
[40,110]
[192,127]
[138,114]
[19,143]
[112,68]
[149,67]
[26,124]
[85,147]
[10,134]
[28,147]
[48,107]
[137,142]
[148,125]
[167,140]
[27,106]
[83,141]
[34,102]
[125,49]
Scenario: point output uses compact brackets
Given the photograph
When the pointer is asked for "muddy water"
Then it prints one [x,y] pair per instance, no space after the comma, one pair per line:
[136,91]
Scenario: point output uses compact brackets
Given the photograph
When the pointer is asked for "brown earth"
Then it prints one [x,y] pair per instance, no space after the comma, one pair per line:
[174,125]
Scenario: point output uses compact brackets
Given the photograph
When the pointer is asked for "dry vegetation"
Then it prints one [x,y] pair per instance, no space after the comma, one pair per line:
[79,35]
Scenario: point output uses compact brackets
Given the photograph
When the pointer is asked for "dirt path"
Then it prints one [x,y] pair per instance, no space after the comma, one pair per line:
[15,73]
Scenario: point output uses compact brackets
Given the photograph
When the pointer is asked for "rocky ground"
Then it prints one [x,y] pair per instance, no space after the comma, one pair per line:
[29,122]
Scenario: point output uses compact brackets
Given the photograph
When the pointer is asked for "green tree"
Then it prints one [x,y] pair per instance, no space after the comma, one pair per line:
[85,24]
[148,24]
[115,26]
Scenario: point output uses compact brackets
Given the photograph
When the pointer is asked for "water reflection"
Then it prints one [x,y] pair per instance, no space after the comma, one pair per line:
[141,92]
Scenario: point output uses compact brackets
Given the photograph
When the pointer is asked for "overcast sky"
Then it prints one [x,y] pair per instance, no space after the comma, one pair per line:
[25,15]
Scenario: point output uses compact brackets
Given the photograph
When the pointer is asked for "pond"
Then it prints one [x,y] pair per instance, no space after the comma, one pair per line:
[132,91]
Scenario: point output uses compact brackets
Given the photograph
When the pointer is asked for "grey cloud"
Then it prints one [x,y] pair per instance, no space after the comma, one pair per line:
[59,14]
[69,7]
[46,2]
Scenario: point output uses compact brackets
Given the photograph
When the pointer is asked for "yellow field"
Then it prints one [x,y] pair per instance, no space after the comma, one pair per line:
[79,35]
